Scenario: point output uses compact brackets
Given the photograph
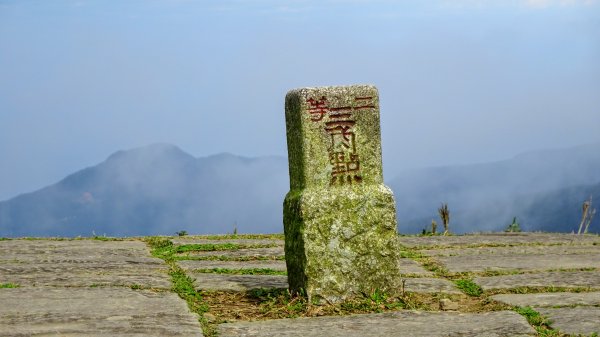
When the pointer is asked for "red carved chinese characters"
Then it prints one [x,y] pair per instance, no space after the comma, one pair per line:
[317,109]
[339,124]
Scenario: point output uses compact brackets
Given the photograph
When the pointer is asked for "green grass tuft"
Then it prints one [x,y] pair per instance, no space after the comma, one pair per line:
[540,323]
[8,285]
[469,287]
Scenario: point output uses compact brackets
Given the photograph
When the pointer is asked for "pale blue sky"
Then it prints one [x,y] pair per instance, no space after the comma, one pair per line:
[460,81]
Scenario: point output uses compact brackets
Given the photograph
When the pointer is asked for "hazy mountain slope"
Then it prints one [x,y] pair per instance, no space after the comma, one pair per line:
[160,189]
[485,196]
[560,210]
[157,189]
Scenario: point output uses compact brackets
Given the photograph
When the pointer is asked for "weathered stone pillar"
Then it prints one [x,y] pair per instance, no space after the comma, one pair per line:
[339,217]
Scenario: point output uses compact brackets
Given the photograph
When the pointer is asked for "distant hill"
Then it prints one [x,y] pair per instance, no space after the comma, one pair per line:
[159,189]
[544,189]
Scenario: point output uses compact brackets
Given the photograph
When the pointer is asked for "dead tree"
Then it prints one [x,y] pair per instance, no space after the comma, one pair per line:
[587,215]
[445,216]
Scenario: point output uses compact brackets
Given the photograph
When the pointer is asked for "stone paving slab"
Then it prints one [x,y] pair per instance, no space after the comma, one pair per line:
[410,267]
[94,312]
[251,252]
[549,299]
[576,321]
[231,282]
[575,279]
[480,263]
[394,324]
[84,248]
[498,238]
[278,265]
[515,250]
[191,240]
[80,263]
[430,285]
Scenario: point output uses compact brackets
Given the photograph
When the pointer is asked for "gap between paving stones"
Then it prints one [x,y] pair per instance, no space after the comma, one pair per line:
[249,242]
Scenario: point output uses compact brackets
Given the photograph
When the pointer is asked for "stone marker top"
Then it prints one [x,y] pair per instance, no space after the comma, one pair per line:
[333,136]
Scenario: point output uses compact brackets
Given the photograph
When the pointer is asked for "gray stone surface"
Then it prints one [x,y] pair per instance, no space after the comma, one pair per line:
[50,311]
[567,249]
[394,324]
[549,299]
[499,239]
[576,321]
[80,263]
[253,252]
[209,264]
[232,282]
[576,279]
[430,285]
[412,268]
[480,263]
[191,240]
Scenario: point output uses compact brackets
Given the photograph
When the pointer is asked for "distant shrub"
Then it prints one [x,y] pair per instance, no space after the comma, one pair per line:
[514,226]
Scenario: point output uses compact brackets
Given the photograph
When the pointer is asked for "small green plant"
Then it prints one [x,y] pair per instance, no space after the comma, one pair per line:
[181,233]
[378,296]
[161,247]
[469,287]
[409,254]
[159,242]
[8,285]
[514,226]
[205,247]
[433,227]
[105,238]
[539,322]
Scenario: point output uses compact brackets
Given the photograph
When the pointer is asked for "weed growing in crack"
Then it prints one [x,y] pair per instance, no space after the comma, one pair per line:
[183,285]
[245,271]
[540,323]
[469,287]
[8,285]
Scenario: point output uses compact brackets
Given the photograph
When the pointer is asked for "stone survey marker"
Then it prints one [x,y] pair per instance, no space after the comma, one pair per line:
[339,217]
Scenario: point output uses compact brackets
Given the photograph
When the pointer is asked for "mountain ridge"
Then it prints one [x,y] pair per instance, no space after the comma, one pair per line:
[160,189]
